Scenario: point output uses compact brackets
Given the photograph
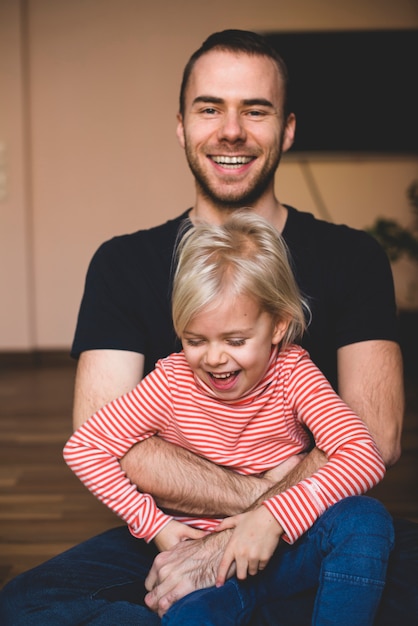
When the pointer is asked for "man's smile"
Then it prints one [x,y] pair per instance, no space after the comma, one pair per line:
[232,161]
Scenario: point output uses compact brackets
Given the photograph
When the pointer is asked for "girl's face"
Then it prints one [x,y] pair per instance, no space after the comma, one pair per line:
[228,346]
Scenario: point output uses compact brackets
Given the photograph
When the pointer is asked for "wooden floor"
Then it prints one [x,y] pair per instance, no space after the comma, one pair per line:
[44,509]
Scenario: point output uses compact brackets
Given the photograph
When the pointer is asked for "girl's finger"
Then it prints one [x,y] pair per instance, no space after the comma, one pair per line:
[223,569]
[228,522]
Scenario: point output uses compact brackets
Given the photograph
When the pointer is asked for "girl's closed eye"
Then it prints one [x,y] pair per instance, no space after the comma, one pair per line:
[236,342]
[193,342]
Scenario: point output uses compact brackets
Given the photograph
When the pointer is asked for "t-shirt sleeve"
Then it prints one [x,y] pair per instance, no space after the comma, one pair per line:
[107,316]
[366,308]
[346,277]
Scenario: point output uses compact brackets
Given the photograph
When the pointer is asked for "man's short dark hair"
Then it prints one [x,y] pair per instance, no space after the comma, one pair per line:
[233,40]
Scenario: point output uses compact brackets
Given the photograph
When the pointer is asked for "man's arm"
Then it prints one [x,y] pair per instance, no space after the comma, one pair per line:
[183,483]
[102,376]
[370,381]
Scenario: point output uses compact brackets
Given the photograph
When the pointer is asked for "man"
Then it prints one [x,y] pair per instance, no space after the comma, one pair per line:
[234,126]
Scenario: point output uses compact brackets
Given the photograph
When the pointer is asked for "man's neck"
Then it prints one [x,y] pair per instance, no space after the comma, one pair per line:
[273,211]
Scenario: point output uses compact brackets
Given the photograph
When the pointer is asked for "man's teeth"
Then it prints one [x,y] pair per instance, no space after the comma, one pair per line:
[231,160]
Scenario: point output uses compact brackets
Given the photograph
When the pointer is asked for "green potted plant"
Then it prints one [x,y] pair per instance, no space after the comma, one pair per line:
[395,239]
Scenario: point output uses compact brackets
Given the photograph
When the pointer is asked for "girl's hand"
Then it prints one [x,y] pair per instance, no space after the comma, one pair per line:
[174,532]
[253,541]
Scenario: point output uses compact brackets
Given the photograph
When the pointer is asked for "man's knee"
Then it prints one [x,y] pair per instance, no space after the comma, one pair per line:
[363,514]
[359,526]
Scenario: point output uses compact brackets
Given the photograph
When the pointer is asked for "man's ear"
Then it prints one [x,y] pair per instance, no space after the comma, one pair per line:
[180,130]
[289,132]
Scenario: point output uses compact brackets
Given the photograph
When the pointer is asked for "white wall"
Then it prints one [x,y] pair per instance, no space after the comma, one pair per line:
[89,128]
[16,294]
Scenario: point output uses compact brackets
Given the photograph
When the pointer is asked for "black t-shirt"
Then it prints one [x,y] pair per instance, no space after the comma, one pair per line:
[343,272]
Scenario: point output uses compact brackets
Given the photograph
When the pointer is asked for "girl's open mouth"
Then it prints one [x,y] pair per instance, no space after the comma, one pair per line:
[224,381]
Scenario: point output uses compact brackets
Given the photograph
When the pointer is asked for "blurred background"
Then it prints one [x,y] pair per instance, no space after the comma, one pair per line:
[89,92]
[88,103]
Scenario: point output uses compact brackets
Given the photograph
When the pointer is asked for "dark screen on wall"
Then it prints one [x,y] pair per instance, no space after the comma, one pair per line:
[353,91]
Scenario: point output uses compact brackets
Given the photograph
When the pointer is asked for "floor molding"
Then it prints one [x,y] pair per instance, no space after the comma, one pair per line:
[36,358]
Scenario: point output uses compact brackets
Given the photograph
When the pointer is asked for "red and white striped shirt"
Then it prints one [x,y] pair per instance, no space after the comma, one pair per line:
[249,435]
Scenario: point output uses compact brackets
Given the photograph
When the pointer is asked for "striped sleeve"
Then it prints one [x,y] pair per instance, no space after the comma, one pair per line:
[354,463]
[94,450]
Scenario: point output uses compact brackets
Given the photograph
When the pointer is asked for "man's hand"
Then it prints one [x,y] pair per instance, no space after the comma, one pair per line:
[190,565]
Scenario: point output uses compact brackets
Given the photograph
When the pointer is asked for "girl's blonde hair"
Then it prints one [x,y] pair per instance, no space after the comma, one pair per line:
[243,256]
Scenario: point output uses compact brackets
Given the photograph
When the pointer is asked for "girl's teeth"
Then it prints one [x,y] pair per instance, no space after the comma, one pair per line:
[222,376]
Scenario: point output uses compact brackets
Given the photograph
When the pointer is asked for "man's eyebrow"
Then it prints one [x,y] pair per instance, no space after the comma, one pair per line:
[258,102]
[247,101]
[208,100]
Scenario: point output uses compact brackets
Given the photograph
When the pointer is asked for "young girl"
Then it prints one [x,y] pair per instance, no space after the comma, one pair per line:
[244,396]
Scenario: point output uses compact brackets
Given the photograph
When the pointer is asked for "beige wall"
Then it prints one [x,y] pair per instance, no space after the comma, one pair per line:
[87,137]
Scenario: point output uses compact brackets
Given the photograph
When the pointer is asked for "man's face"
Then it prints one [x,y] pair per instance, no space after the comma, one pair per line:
[233,129]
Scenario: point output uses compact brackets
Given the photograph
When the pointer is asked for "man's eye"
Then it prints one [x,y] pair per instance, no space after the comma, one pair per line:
[256,113]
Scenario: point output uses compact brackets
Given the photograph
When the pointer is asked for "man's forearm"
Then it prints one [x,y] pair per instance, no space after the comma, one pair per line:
[370,381]
[184,483]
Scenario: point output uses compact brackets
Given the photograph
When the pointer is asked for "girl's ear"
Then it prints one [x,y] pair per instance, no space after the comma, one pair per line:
[279,331]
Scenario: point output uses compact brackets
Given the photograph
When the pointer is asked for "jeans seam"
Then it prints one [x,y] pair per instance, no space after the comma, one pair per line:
[355,580]
[121,583]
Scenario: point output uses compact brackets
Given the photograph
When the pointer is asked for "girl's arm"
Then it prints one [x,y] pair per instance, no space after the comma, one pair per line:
[353,466]
[94,450]
[354,463]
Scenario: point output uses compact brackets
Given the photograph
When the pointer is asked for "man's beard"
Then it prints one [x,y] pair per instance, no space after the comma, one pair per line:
[246,197]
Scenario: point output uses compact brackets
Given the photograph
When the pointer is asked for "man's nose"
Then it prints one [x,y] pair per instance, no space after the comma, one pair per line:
[232,127]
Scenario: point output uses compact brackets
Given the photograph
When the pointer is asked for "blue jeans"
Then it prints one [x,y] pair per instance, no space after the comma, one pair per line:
[101,583]
[344,555]
[399,603]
